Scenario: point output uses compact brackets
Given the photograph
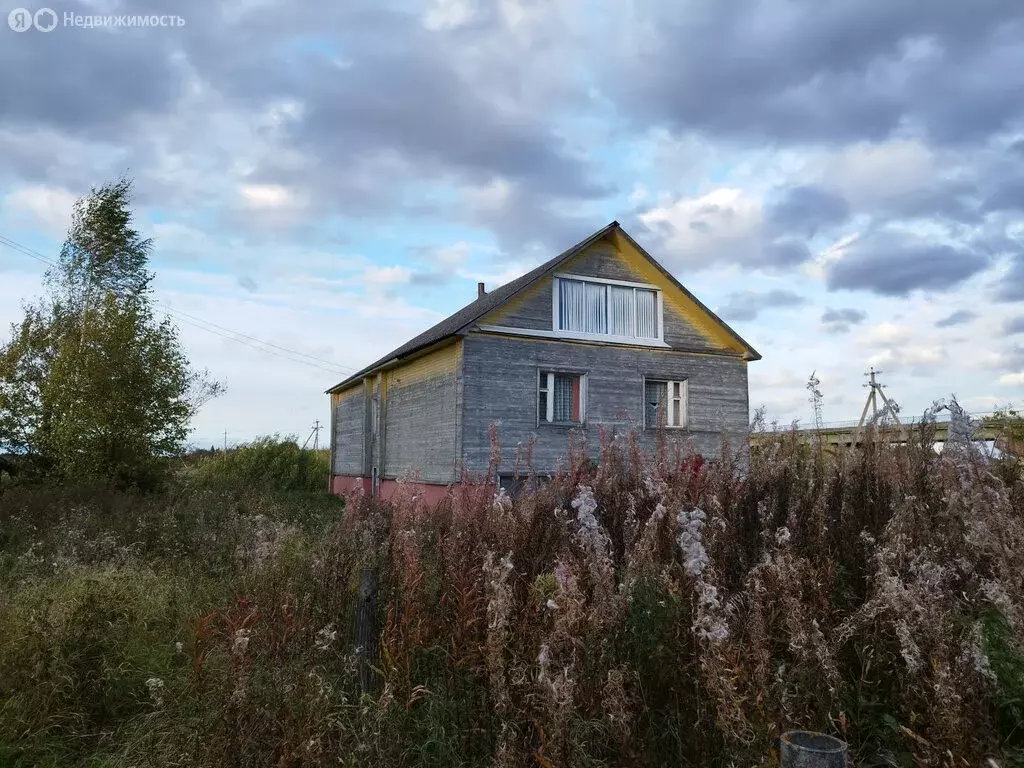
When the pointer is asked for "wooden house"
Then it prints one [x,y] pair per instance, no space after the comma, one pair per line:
[600,336]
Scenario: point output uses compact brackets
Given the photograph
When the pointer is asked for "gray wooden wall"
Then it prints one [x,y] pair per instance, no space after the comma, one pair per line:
[349,432]
[421,429]
[500,386]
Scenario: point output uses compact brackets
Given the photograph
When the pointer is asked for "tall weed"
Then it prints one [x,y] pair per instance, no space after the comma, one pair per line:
[638,610]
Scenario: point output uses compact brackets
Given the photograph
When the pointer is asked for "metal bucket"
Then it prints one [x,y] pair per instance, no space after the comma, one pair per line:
[808,749]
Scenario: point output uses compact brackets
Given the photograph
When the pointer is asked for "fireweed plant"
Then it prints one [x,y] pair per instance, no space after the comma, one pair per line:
[633,610]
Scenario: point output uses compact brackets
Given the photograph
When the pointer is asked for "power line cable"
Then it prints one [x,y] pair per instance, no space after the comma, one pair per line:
[194,321]
[180,312]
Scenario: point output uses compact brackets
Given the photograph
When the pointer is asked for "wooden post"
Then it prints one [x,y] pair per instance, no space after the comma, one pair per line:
[367,633]
[808,749]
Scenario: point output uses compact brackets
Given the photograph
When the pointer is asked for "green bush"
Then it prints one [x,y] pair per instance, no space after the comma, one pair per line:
[267,463]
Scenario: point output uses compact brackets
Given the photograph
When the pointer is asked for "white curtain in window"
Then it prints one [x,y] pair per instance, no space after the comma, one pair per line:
[582,306]
[620,311]
[571,305]
[646,314]
[597,309]
[563,398]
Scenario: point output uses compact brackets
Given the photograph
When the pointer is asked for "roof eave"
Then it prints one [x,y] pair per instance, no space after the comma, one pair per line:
[749,352]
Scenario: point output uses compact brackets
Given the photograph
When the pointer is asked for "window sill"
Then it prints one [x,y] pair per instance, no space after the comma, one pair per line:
[562,424]
[622,341]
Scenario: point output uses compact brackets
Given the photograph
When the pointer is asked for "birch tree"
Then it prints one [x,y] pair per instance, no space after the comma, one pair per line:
[93,385]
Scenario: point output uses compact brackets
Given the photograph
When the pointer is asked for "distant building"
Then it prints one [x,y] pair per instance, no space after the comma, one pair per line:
[600,336]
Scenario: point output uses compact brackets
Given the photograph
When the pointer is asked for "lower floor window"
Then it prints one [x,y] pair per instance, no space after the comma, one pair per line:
[561,397]
[665,403]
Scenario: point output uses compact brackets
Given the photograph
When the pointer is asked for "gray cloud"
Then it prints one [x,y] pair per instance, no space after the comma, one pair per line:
[938,77]
[1014,326]
[1012,286]
[806,209]
[784,253]
[846,71]
[370,105]
[363,113]
[88,83]
[894,265]
[841,320]
[1008,195]
[747,305]
[959,317]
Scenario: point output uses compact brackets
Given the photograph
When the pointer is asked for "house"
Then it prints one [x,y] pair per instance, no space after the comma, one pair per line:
[599,336]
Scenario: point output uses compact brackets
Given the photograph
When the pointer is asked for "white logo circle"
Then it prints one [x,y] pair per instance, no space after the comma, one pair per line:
[20,19]
[43,22]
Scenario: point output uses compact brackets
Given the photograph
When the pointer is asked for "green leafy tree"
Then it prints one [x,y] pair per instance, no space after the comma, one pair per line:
[1009,424]
[92,384]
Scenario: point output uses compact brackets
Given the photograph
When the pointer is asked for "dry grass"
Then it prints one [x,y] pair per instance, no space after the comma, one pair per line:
[639,611]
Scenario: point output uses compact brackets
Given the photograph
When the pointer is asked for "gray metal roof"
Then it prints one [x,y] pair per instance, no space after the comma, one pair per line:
[470,313]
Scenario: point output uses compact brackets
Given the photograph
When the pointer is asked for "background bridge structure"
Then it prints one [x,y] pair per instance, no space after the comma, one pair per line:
[883,424]
[850,433]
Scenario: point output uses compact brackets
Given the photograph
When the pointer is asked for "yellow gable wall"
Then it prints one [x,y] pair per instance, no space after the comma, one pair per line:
[637,268]
[675,299]
[442,360]
[347,394]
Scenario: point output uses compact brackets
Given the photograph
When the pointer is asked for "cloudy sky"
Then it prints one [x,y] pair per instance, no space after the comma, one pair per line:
[843,180]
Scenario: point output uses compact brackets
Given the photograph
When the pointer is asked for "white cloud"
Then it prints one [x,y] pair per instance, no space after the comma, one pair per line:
[867,173]
[452,256]
[384,277]
[40,206]
[492,196]
[1012,379]
[449,14]
[831,253]
[885,334]
[722,224]
[639,194]
[266,196]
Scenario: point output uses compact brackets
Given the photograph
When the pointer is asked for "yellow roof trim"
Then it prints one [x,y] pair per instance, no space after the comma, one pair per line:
[696,313]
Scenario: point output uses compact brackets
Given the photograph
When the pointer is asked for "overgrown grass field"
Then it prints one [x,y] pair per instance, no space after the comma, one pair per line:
[634,611]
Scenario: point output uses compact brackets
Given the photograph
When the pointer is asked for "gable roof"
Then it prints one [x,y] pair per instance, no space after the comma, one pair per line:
[469,314]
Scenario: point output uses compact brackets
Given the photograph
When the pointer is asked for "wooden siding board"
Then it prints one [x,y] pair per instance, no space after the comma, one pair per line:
[533,311]
[500,381]
[348,434]
[421,424]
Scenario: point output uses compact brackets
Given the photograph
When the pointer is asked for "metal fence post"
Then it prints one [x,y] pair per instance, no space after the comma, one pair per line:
[367,632]
[808,749]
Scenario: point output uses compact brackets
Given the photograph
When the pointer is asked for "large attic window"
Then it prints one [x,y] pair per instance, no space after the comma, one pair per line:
[613,310]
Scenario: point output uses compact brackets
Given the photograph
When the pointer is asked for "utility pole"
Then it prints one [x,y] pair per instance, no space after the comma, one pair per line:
[225,439]
[875,391]
[816,398]
[314,436]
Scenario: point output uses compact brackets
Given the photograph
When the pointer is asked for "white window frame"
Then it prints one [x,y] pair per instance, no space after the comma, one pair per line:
[684,404]
[659,310]
[549,386]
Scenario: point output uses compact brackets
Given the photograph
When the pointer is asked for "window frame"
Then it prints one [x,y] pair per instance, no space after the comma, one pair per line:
[684,398]
[608,337]
[551,371]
